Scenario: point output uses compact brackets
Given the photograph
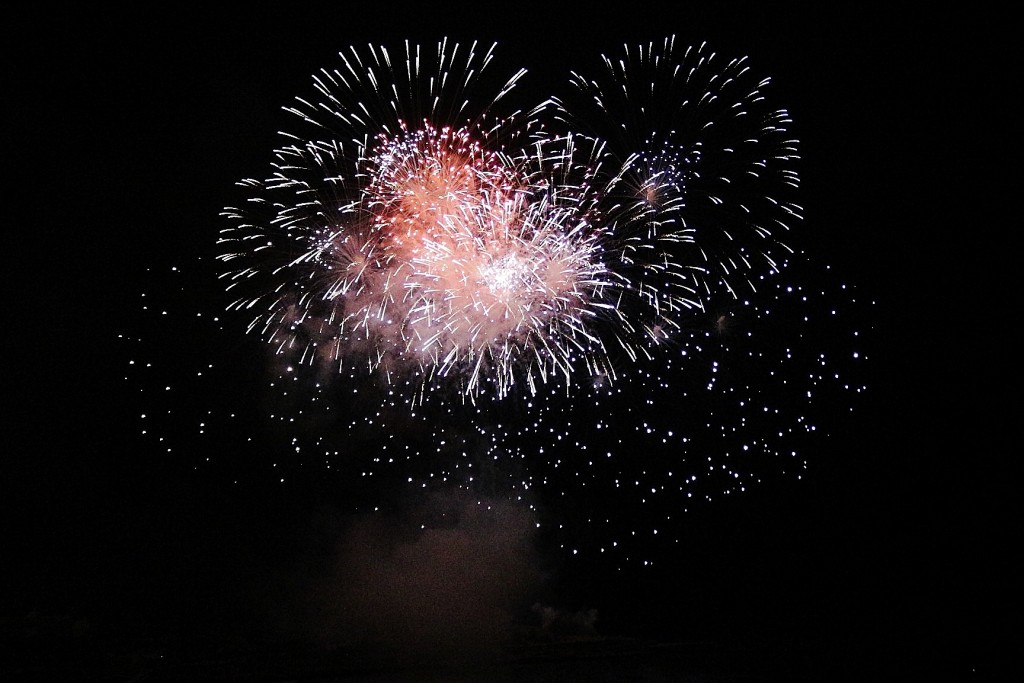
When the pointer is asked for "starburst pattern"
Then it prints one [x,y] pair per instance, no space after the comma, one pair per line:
[586,304]
[503,251]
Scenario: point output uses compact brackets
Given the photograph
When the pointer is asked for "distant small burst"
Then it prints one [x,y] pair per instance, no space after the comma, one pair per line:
[411,230]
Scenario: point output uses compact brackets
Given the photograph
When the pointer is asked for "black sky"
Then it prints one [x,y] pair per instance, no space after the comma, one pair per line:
[124,133]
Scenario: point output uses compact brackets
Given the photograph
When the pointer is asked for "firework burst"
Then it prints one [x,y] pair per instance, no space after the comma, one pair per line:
[409,230]
[609,267]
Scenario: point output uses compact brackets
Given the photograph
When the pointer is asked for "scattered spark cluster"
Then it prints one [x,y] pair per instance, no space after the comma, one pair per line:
[587,303]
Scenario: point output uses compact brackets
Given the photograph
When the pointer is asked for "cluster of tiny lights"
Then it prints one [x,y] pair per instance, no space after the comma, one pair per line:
[593,308]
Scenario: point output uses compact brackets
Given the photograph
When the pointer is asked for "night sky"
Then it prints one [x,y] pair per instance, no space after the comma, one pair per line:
[226,557]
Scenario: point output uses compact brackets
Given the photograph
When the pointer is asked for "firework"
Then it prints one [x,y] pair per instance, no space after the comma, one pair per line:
[612,266]
[703,167]
[408,229]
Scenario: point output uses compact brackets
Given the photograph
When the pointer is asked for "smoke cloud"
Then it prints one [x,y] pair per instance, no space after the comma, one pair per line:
[452,577]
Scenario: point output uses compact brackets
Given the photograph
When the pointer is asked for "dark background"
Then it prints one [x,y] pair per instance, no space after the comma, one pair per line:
[123,133]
